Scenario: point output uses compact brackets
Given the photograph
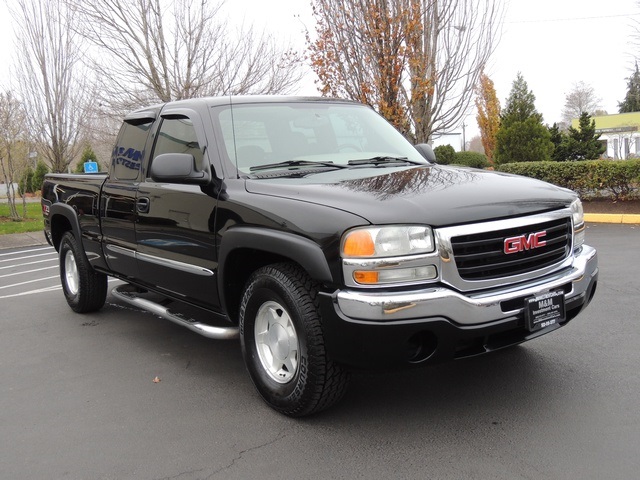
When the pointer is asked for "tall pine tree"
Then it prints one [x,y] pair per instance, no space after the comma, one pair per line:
[584,143]
[631,102]
[522,137]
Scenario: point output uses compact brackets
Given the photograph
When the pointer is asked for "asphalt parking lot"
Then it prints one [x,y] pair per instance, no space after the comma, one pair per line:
[78,398]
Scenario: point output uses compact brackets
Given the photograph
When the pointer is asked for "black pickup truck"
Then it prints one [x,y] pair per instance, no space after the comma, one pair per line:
[314,232]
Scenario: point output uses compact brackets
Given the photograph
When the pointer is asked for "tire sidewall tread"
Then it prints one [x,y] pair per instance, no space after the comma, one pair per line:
[92,285]
[318,382]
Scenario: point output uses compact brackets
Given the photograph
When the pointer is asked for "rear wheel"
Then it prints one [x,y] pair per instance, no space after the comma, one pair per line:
[283,343]
[83,287]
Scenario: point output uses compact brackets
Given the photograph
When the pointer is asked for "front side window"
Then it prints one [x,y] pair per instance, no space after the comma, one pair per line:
[177,135]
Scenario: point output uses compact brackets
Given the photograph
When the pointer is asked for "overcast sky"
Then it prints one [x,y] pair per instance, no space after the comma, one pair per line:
[554,43]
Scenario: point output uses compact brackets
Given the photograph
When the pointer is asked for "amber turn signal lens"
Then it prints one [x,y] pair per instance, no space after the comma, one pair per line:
[366,278]
[359,243]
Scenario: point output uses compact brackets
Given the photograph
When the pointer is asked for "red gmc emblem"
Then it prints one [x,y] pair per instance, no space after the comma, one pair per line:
[524,242]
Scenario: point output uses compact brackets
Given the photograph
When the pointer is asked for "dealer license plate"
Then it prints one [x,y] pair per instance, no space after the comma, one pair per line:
[544,310]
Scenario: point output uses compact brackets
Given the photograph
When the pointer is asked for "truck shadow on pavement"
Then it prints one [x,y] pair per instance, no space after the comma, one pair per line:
[517,380]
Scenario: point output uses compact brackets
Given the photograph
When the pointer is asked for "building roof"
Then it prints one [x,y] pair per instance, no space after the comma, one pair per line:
[620,122]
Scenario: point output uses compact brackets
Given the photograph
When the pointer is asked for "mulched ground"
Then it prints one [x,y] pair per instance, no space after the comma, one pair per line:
[608,206]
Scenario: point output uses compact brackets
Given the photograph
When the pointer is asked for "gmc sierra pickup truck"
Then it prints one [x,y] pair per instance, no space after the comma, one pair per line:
[313,231]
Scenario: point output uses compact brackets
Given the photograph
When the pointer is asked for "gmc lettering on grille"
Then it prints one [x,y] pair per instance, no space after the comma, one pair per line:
[524,242]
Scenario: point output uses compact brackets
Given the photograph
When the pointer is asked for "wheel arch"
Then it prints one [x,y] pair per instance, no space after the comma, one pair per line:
[63,218]
[245,249]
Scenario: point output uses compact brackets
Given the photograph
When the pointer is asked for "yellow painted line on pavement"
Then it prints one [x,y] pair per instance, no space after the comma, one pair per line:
[612,218]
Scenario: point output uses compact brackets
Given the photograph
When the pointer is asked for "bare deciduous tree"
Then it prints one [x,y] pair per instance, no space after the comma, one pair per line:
[12,137]
[422,57]
[581,98]
[51,83]
[475,145]
[162,50]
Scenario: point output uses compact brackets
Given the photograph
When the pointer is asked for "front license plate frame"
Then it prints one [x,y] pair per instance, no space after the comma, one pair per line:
[545,310]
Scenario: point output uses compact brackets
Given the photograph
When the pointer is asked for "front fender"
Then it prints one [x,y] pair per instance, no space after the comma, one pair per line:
[301,250]
[263,246]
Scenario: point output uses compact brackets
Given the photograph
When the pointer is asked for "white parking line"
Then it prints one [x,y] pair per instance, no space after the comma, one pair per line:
[55,259]
[25,251]
[29,281]
[30,256]
[41,290]
[53,288]
[28,271]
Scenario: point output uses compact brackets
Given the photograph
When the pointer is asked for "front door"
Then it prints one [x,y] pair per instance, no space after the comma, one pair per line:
[176,242]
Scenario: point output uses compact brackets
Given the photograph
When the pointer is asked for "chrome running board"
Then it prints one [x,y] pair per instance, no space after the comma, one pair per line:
[209,331]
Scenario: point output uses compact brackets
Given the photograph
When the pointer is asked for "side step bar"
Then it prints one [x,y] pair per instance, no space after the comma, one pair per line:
[209,331]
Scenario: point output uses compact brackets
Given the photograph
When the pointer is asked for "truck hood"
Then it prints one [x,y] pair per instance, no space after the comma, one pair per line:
[433,195]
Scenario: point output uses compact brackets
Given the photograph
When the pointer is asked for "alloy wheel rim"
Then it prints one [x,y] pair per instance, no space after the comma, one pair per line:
[71,276]
[276,341]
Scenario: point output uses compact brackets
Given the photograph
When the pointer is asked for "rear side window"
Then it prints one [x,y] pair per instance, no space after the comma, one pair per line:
[128,154]
[177,135]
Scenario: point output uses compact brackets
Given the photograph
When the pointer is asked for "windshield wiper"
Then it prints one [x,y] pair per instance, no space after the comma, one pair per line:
[295,163]
[382,160]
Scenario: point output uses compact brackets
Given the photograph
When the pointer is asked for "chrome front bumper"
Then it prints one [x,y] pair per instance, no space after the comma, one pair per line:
[466,309]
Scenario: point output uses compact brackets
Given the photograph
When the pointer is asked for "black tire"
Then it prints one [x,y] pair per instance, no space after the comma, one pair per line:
[283,299]
[83,287]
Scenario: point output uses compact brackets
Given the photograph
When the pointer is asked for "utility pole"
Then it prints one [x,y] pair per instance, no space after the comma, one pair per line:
[464,138]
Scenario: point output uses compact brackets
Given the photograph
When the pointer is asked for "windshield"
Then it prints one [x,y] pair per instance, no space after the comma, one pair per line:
[297,135]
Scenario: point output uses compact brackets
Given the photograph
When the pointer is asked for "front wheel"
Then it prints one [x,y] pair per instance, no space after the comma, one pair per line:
[283,343]
[83,287]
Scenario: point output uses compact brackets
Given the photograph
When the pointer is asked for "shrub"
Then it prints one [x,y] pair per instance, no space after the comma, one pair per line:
[25,185]
[445,154]
[471,159]
[38,175]
[616,179]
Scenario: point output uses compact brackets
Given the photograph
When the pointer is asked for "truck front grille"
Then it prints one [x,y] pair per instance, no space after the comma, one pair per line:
[481,256]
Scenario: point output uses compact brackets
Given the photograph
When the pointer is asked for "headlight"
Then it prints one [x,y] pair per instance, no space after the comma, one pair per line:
[389,241]
[577,214]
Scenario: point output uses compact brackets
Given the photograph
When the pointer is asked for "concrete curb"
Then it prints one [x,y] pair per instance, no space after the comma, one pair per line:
[20,240]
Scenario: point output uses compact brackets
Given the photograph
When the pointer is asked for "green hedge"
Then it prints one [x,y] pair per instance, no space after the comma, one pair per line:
[446,155]
[617,179]
[471,159]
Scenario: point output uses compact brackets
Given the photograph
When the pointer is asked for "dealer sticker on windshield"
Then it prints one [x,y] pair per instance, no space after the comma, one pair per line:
[544,310]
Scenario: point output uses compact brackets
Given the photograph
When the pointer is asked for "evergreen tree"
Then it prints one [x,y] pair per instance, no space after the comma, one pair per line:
[520,104]
[558,138]
[38,175]
[527,141]
[631,102]
[583,143]
[88,155]
[26,182]
[522,137]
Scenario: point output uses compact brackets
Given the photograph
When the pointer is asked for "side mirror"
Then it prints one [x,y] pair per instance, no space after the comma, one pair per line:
[177,168]
[426,151]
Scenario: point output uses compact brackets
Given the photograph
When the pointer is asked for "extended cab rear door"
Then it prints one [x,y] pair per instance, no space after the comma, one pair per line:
[175,233]
[118,196]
